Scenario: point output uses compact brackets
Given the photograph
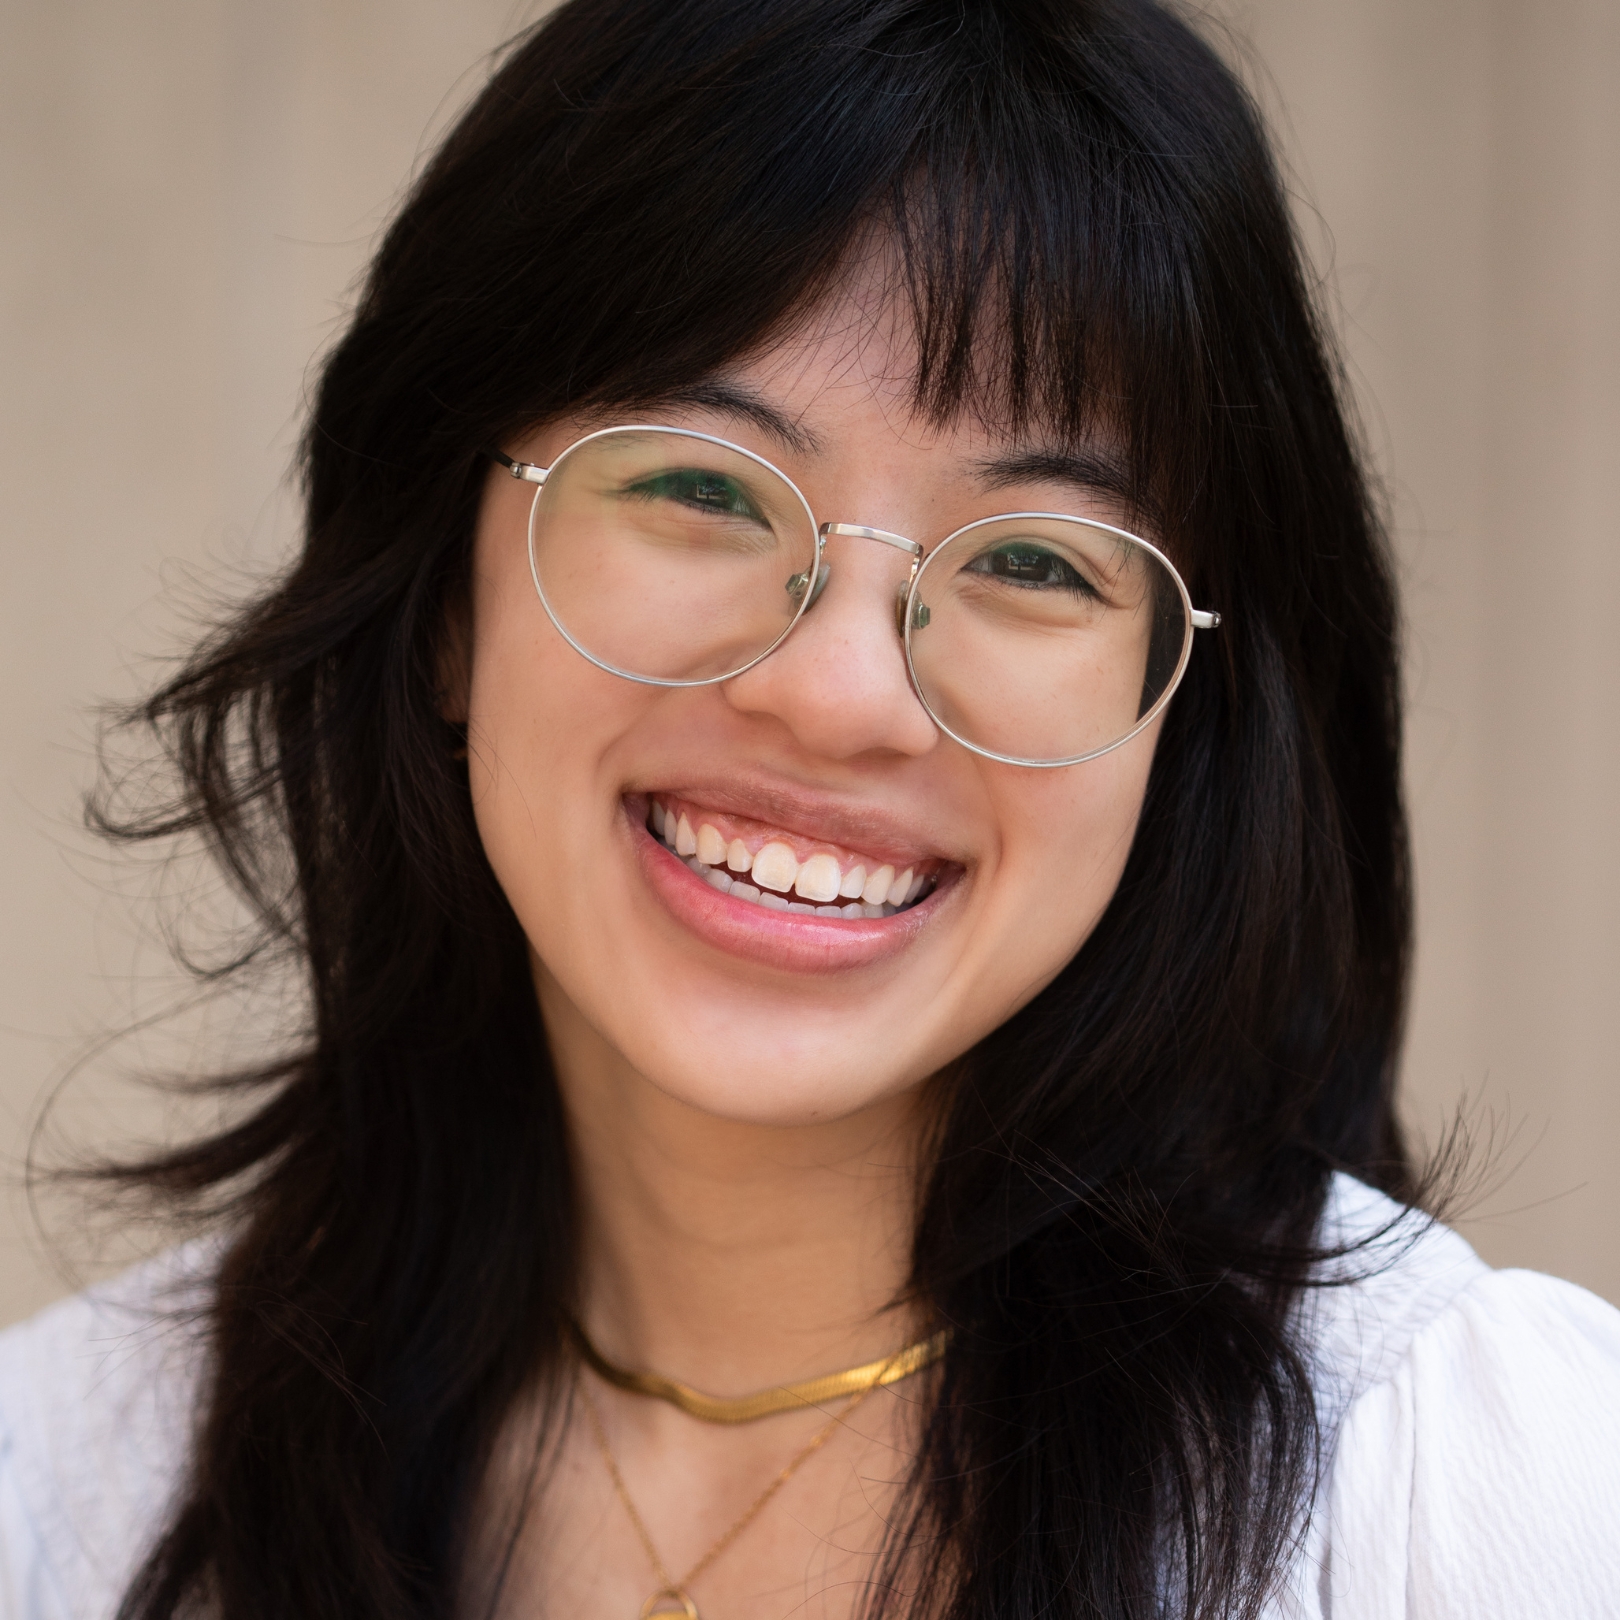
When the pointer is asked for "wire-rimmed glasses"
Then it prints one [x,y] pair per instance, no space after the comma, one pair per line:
[675,558]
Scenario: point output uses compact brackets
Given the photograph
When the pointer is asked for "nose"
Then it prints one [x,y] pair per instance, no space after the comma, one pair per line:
[839,681]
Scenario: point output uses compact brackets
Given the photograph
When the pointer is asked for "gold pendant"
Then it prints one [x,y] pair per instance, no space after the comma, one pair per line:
[669,1600]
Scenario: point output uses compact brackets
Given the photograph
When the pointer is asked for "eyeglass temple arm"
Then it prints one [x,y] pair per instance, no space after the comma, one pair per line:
[1201,618]
[526,470]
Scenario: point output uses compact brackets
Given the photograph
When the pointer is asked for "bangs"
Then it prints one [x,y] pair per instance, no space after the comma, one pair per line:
[1021,315]
[1044,194]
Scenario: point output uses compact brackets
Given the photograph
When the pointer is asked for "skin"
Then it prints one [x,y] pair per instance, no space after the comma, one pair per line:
[746,1116]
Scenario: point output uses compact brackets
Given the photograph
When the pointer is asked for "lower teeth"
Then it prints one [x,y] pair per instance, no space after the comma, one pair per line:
[719,878]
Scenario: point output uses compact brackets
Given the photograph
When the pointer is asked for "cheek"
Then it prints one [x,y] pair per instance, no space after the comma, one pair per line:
[1071,831]
[1065,837]
[539,722]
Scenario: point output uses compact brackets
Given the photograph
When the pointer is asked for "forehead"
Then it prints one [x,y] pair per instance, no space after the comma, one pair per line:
[854,356]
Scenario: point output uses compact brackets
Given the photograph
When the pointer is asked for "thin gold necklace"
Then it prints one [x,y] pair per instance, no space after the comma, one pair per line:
[783,1397]
[674,1597]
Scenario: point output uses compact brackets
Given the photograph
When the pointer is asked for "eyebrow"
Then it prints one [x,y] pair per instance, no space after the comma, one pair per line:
[1086,469]
[728,399]
[1094,470]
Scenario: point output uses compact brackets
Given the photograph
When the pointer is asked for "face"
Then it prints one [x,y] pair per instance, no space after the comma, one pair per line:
[808,777]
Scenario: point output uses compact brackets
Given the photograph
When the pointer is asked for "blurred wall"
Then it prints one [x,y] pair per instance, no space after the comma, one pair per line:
[191,187]
[1456,162]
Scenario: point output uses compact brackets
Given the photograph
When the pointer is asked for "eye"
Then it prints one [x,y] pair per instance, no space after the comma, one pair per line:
[700,489]
[1032,567]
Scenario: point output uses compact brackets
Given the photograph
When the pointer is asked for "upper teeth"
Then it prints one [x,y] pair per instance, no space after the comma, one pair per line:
[866,888]
[817,879]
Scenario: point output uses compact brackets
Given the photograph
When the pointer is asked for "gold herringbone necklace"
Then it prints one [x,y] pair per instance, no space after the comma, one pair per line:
[782,1398]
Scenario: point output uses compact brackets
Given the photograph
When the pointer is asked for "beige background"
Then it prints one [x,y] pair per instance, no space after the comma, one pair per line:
[190,187]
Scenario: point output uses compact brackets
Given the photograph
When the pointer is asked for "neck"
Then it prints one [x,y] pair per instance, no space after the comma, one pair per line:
[728,1255]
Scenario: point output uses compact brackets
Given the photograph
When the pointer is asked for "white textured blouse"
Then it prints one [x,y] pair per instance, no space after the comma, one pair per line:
[1471,1468]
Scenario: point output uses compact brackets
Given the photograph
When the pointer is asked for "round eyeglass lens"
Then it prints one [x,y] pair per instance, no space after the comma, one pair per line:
[668,556]
[1043,640]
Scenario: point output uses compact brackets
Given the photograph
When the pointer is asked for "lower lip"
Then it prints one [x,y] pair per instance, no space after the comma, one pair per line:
[781,939]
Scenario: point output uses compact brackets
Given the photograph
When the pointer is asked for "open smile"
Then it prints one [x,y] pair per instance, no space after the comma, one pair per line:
[780,871]
[780,896]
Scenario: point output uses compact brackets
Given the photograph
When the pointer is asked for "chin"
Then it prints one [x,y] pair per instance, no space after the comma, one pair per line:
[773,1079]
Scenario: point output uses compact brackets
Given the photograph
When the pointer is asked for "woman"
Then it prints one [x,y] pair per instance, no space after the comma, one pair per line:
[832,760]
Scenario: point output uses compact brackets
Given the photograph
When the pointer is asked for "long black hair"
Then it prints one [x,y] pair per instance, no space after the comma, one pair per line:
[1118,1209]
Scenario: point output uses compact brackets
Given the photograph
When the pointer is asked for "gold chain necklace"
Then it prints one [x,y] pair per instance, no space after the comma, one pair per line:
[674,1596]
[783,1398]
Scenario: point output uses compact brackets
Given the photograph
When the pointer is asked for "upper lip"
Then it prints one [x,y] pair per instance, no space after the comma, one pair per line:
[811,813]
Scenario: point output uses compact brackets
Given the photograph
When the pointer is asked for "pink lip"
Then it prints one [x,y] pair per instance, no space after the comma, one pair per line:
[780,939]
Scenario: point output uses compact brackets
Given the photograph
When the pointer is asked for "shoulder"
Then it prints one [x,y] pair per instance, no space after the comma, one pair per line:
[1472,1431]
[97,1402]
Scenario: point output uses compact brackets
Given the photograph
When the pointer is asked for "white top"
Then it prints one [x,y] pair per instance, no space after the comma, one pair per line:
[1472,1469]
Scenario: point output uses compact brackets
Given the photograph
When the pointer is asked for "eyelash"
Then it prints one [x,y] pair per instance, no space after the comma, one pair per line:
[657,488]
[1069,577]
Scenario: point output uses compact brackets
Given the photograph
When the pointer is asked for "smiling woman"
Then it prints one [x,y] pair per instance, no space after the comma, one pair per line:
[832,756]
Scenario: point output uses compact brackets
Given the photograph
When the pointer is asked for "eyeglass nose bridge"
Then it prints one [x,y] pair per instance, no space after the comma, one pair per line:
[859,531]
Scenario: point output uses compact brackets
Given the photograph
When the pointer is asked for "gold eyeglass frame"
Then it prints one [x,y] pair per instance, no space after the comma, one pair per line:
[906,608]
